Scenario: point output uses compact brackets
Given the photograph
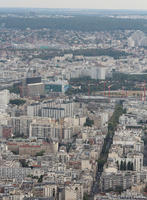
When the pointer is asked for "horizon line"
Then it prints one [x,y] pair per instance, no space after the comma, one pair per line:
[112,9]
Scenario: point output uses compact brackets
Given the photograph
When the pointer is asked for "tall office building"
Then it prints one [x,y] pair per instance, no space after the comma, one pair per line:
[4,97]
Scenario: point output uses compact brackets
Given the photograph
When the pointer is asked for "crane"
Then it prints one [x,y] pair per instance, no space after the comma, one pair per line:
[109,89]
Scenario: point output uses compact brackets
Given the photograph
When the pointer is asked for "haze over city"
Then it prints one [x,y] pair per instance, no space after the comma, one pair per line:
[90,4]
[73,100]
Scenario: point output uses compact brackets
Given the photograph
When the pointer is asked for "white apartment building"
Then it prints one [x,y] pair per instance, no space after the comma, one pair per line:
[4,100]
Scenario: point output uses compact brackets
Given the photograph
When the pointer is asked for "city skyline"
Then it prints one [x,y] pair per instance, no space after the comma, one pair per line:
[73,100]
[93,4]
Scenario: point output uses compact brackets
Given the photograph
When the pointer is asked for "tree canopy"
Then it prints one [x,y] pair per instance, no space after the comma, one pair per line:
[17,102]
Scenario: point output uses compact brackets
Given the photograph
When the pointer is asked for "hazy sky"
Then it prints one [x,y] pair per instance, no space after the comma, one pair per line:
[97,4]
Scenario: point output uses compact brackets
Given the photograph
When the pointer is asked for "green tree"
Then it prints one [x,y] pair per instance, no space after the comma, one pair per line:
[129,165]
[14,90]
[117,163]
[41,153]
[89,122]
[125,167]
[85,197]
[23,163]
[100,164]
[17,102]
[40,179]
[119,189]
[131,168]
[112,125]
[121,165]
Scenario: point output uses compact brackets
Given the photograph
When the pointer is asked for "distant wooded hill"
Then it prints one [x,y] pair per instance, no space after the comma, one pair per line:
[77,23]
